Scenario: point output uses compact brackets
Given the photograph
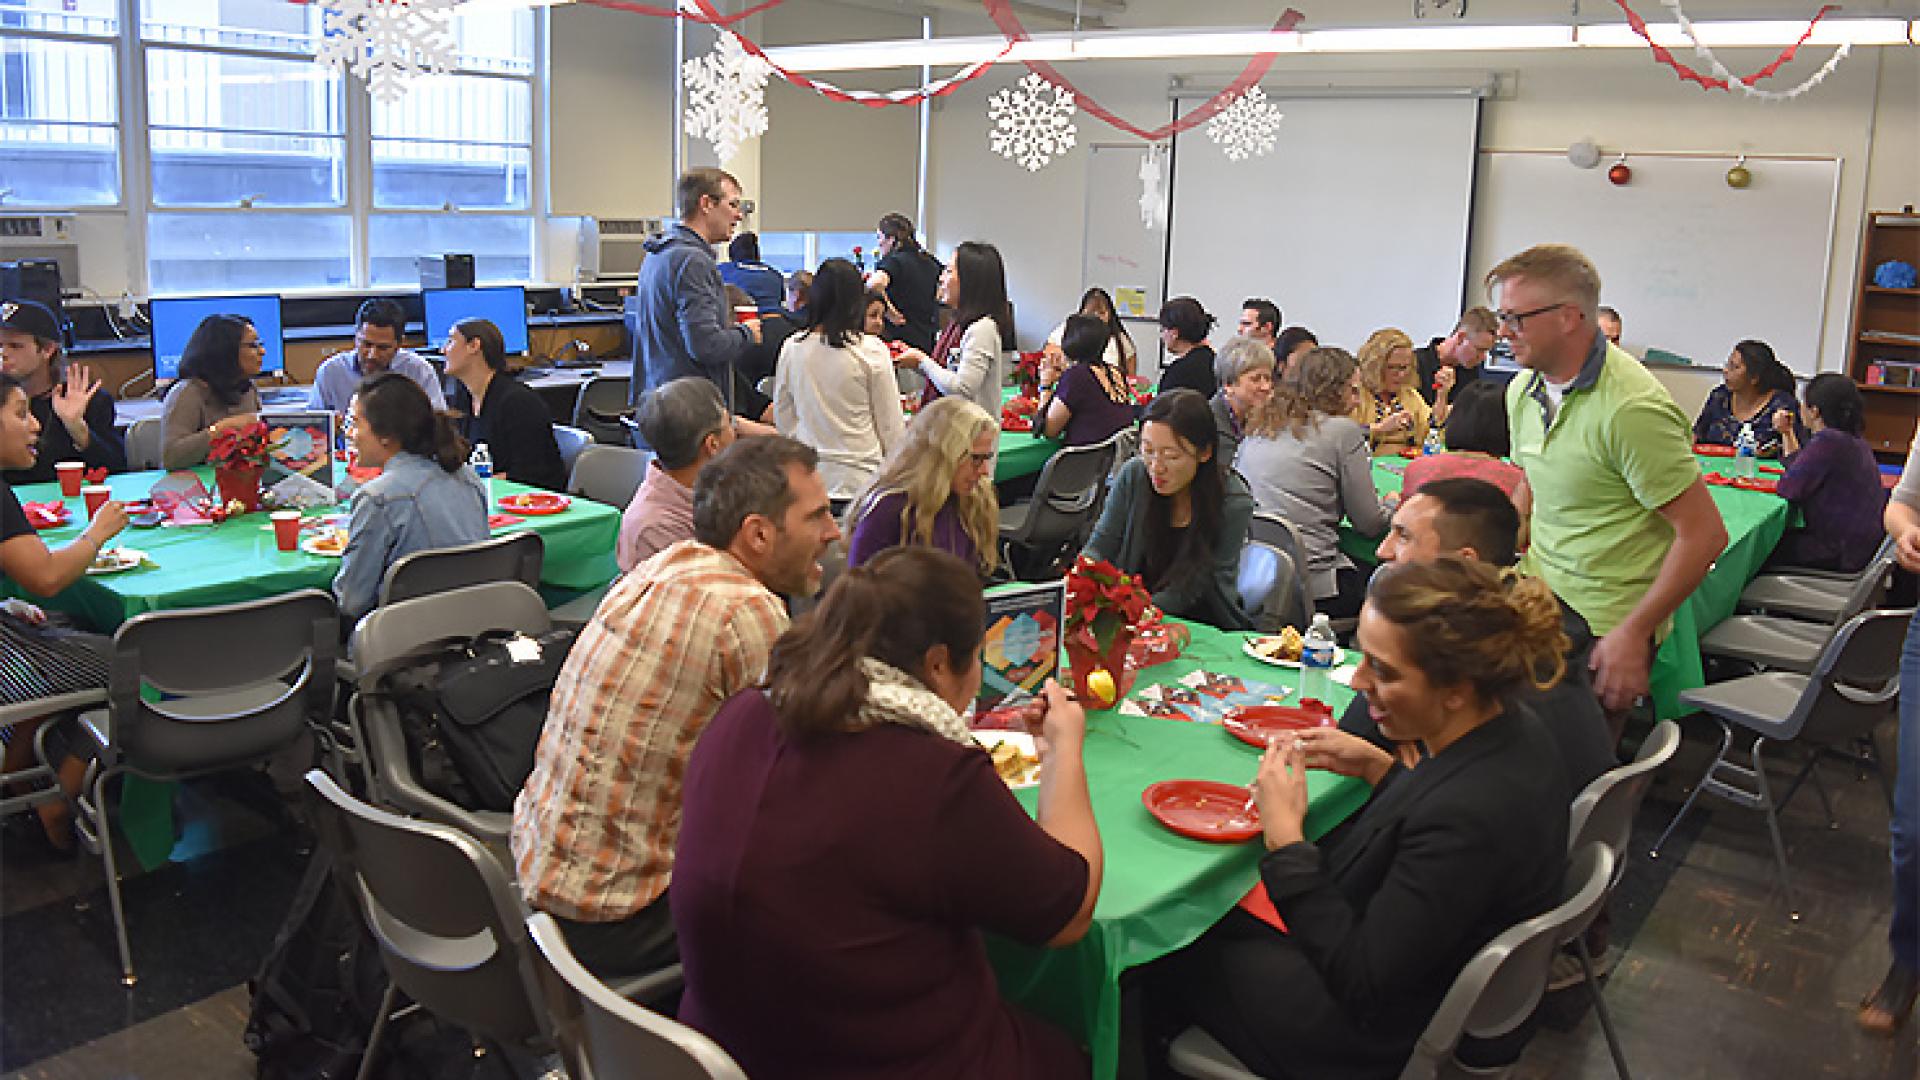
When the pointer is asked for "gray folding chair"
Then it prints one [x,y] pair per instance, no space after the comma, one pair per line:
[397,636]
[144,439]
[1034,534]
[239,683]
[1789,642]
[599,408]
[1266,579]
[515,556]
[1820,595]
[609,474]
[37,783]
[1603,814]
[603,1035]
[1492,996]
[571,441]
[1294,606]
[452,929]
[1851,689]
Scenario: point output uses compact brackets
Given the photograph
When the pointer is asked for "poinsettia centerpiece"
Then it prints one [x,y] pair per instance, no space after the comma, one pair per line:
[1105,608]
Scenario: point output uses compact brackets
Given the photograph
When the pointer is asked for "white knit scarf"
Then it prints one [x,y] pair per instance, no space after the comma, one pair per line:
[895,697]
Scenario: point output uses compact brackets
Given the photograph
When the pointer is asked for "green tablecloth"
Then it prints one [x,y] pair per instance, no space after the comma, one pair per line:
[1755,521]
[236,560]
[1161,891]
[1021,453]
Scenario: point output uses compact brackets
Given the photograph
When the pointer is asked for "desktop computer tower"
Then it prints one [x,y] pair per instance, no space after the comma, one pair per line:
[446,272]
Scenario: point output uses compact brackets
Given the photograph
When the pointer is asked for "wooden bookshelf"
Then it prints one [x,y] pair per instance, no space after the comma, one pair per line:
[1886,327]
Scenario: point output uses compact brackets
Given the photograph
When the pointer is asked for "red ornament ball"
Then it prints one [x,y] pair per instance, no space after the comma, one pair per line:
[1620,174]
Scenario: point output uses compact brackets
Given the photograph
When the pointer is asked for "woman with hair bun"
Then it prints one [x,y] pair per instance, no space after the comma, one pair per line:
[844,842]
[1832,477]
[1755,386]
[1441,859]
[425,496]
[1184,326]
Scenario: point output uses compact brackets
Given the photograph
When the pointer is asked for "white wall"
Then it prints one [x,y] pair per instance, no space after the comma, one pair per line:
[611,109]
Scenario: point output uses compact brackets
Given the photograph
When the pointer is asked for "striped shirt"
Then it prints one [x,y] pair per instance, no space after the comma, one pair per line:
[595,825]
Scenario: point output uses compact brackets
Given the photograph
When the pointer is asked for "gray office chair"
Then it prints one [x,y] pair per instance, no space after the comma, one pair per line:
[144,439]
[1294,606]
[239,683]
[1819,595]
[1603,813]
[603,1035]
[1266,576]
[395,638]
[514,556]
[1789,642]
[599,408]
[452,929]
[1850,690]
[609,474]
[1055,521]
[571,441]
[1492,996]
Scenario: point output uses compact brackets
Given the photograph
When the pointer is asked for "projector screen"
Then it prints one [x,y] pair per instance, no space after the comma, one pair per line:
[1357,220]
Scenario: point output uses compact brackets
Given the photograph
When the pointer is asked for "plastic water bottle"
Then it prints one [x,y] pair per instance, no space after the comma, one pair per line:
[1432,445]
[481,460]
[1316,661]
[1746,450]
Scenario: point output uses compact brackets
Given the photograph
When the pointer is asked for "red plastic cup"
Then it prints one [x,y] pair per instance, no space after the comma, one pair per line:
[746,313]
[286,529]
[72,474]
[96,496]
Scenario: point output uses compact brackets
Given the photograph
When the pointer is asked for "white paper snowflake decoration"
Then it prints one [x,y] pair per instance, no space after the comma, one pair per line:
[1248,127]
[726,96]
[1153,201]
[1032,122]
[387,42]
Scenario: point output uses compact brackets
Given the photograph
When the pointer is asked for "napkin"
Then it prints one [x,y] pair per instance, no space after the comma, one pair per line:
[47,515]
[1259,905]
[501,521]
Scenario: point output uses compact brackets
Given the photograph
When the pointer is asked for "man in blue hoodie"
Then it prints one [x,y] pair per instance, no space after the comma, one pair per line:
[685,326]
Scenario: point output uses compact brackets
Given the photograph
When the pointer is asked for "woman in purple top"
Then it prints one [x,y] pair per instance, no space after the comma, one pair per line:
[935,489]
[1093,399]
[844,841]
[1832,478]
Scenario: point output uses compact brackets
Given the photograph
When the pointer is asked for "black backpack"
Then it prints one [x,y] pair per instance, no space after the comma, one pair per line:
[472,713]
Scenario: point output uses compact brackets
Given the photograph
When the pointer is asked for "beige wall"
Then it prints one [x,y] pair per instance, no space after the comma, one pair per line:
[610,107]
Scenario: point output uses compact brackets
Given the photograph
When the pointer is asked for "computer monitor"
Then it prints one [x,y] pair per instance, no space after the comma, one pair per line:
[505,306]
[175,317]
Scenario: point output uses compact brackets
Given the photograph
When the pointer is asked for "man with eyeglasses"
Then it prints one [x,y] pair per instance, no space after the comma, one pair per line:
[1459,355]
[685,325]
[376,348]
[1623,527]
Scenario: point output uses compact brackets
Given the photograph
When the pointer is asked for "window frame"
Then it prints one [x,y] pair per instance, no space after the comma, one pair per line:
[111,40]
[135,159]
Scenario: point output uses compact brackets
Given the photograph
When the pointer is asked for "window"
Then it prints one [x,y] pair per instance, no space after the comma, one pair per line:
[244,251]
[244,131]
[501,245]
[59,103]
[791,251]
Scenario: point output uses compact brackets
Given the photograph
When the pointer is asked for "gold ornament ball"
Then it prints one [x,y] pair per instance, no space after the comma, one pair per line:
[1739,177]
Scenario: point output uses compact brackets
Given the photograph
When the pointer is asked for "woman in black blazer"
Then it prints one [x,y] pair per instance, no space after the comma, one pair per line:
[1442,858]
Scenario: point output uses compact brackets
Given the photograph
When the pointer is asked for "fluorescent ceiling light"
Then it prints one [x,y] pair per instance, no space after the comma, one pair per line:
[1172,44]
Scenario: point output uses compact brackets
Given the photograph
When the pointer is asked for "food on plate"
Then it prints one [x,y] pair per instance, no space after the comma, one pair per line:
[114,559]
[1285,645]
[1013,763]
[326,543]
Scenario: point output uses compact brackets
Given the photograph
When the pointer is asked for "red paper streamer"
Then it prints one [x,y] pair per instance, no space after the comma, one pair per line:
[706,15]
[1709,82]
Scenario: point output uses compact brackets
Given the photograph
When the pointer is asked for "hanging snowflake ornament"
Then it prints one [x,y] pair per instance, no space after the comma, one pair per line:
[727,96]
[1153,201]
[387,42]
[1032,122]
[1248,127]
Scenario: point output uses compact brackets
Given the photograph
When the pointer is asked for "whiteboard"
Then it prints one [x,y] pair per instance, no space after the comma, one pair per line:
[1358,220]
[1692,265]
[1121,252]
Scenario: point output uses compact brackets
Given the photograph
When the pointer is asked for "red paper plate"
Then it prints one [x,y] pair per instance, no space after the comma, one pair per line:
[1716,479]
[535,503]
[1712,450]
[1773,470]
[1254,724]
[1203,810]
[1757,483]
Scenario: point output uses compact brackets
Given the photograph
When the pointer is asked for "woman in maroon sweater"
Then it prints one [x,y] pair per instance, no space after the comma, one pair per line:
[844,841]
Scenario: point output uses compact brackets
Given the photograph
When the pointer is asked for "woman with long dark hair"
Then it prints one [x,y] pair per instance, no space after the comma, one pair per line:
[493,407]
[1755,386]
[215,390]
[1832,477]
[425,496]
[833,388]
[969,359]
[1119,350]
[1177,519]
[908,277]
[1092,399]
[841,828]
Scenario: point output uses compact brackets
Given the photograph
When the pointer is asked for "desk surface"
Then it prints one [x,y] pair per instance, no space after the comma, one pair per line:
[294,396]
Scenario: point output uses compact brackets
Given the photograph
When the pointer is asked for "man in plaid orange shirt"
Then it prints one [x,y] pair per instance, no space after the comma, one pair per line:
[595,825]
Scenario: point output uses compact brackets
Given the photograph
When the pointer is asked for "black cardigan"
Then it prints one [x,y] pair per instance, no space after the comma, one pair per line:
[518,431]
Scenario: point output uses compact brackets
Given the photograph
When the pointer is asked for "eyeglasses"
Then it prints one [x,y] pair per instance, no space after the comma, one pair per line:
[1171,457]
[980,461]
[261,345]
[1518,319]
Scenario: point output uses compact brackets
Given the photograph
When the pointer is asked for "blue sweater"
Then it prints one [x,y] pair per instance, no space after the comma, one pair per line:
[684,325]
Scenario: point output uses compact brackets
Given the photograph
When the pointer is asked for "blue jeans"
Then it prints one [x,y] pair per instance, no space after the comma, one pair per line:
[1904,933]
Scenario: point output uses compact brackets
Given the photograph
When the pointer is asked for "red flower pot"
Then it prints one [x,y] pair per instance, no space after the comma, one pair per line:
[240,485]
[1102,693]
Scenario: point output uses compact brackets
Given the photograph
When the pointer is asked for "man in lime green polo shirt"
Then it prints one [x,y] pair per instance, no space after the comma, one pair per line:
[1623,527]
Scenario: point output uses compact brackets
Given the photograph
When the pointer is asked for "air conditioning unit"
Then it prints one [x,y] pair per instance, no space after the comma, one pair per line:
[43,236]
[619,245]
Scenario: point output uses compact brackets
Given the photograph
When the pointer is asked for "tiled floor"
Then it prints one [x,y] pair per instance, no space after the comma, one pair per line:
[1715,982]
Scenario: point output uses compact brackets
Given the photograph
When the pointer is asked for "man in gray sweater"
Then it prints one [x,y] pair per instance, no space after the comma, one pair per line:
[685,326]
